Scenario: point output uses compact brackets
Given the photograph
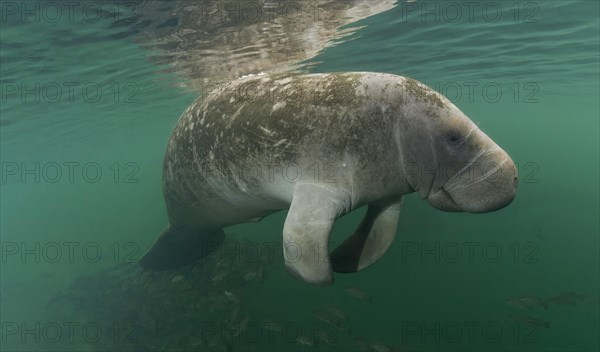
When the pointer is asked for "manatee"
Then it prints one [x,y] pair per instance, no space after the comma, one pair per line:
[321,145]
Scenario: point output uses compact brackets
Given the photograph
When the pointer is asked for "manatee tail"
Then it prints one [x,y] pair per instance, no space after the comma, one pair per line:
[174,248]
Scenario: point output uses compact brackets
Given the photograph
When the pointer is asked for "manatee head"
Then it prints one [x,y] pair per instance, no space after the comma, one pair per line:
[447,159]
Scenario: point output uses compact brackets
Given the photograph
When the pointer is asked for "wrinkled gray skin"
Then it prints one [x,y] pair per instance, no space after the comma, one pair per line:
[322,145]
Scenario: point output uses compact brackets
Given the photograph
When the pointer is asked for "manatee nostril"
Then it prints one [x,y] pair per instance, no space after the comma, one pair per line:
[515,181]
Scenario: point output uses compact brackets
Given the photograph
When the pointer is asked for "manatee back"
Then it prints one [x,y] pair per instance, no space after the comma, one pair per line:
[273,120]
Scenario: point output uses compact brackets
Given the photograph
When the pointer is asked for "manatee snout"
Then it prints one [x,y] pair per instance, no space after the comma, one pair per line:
[486,184]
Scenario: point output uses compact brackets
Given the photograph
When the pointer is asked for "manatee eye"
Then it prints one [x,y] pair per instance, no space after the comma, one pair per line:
[453,138]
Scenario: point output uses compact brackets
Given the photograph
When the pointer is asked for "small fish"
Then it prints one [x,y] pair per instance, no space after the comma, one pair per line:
[527,302]
[569,297]
[331,321]
[233,315]
[344,329]
[45,275]
[178,277]
[59,297]
[232,297]
[358,293]
[539,233]
[515,302]
[220,275]
[222,263]
[533,321]
[325,335]
[379,347]
[305,340]
[241,326]
[196,341]
[325,317]
[337,312]
[255,274]
[260,273]
[562,300]
[530,300]
[373,347]
[6,122]
[244,322]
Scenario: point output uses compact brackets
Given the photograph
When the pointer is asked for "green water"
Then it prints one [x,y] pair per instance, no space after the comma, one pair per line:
[529,79]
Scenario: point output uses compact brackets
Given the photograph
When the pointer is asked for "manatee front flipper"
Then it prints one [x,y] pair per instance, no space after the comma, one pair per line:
[371,239]
[174,248]
[306,231]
